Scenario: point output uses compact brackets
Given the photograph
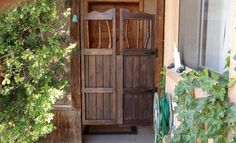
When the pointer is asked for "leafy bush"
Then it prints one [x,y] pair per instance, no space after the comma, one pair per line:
[32,55]
[211,117]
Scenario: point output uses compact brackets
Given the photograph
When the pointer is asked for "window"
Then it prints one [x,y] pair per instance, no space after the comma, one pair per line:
[205,33]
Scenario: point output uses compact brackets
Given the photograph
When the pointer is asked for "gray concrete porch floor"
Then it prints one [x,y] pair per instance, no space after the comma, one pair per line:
[145,135]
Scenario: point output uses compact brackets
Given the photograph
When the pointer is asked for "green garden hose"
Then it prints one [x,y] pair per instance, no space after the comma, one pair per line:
[163,117]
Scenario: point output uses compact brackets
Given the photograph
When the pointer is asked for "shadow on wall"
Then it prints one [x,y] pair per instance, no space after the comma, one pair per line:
[8,3]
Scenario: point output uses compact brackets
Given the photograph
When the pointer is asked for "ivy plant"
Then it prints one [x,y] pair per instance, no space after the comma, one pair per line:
[211,117]
[162,82]
[33,58]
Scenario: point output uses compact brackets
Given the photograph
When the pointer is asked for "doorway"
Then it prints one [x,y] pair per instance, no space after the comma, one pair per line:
[117,87]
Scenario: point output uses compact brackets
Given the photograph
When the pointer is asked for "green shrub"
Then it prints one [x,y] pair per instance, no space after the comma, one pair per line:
[211,117]
[30,47]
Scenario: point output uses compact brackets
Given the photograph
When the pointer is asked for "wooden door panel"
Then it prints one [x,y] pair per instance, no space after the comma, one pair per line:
[98,72]
[98,76]
[137,109]
[98,106]
[138,68]
[98,65]
[138,89]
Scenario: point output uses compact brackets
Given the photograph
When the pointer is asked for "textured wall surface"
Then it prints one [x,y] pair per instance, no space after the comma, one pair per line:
[232,91]
[7,3]
[171,29]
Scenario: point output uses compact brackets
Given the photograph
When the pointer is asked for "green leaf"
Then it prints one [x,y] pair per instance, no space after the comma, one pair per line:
[34,52]
[232,82]
[227,65]
[234,57]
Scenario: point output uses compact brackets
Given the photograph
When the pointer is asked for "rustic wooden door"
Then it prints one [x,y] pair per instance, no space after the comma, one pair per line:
[98,64]
[137,64]
[117,87]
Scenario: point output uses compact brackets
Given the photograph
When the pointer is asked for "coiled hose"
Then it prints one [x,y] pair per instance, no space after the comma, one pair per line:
[163,117]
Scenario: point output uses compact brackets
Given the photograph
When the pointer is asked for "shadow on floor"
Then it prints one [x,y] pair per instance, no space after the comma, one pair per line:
[145,135]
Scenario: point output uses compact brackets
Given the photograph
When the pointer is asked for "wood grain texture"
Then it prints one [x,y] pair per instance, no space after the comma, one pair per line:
[68,128]
[75,58]
[138,71]
[160,24]
[119,89]
[98,68]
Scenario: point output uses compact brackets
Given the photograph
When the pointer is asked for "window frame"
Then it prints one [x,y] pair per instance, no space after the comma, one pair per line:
[202,38]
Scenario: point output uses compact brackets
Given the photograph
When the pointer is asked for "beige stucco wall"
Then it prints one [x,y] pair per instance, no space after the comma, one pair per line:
[232,91]
[171,29]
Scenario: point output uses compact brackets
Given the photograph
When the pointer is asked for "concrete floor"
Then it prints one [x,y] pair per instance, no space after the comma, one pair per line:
[145,135]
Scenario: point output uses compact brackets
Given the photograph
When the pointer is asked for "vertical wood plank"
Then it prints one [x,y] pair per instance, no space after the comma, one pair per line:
[120,90]
[107,83]
[160,23]
[143,71]
[87,96]
[83,72]
[128,107]
[150,72]
[136,80]
[128,71]
[99,83]
[150,85]
[143,83]
[76,96]
[92,84]
[120,75]
[128,83]
[75,59]
[114,65]
[138,34]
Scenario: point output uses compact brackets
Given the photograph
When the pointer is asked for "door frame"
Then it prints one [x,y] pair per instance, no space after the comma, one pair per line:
[81,6]
[85,3]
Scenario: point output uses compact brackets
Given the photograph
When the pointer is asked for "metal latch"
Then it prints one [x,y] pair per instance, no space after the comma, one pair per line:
[155,52]
[152,52]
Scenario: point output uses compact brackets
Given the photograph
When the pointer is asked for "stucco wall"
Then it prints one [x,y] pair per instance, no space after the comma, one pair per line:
[232,91]
[171,29]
